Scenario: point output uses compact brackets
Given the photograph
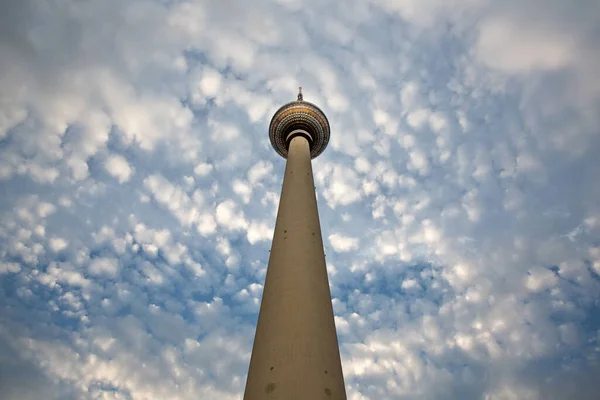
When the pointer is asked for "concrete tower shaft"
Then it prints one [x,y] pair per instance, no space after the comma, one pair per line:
[295,355]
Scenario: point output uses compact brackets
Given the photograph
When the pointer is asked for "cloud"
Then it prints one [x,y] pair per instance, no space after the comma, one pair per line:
[242,189]
[104,266]
[505,46]
[458,193]
[259,171]
[117,166]
[210,83]
[57,244]
[203,169]
[341,185]
[6,268]
[187,210]
[228,215]
[259,231]
[21,378]
[343,244]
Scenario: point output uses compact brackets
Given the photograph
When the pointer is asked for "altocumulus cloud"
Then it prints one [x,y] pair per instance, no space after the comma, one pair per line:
[458,196]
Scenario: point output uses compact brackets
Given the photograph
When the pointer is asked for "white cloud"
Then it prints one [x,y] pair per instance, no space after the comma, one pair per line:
[540,279]
[6,268]
[79,168]
[188,210]
[61,273]
[210,82]
[341,185]
[362,165]
[108,267]
[462,155]
[259,171]
[10,117]
[242,189]
[595,256]
[228,215]
[438,122]
[387,244]
[203,169]
[117,166]
[343,244]
[417,119]
[515,46]
[206,224]
[57,244]
[410,284]
[418,161]
[259,231]
[45,209]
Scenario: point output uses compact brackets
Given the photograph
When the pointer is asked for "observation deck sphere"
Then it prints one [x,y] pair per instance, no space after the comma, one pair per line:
[295,118]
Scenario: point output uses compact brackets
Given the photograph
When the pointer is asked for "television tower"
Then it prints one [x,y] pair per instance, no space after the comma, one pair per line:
[295,355]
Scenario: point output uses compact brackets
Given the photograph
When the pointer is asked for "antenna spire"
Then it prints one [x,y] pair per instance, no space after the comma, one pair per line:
[300,97]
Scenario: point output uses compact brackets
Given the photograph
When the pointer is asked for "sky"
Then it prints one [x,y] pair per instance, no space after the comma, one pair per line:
[458,197]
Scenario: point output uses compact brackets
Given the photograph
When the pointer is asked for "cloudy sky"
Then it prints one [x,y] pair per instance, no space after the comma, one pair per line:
[459,195]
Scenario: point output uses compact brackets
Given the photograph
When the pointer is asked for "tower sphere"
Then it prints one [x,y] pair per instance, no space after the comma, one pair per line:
[299,118]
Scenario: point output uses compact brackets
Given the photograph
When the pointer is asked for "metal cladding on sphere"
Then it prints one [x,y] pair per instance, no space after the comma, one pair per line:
[299,118]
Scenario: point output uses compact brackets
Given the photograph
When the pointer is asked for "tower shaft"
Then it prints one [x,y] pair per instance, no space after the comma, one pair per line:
[295,355]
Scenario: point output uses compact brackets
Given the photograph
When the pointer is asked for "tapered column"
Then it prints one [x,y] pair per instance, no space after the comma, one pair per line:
[295,354]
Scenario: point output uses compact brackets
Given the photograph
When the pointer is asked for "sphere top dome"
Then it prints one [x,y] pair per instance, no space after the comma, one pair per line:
[299,118]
